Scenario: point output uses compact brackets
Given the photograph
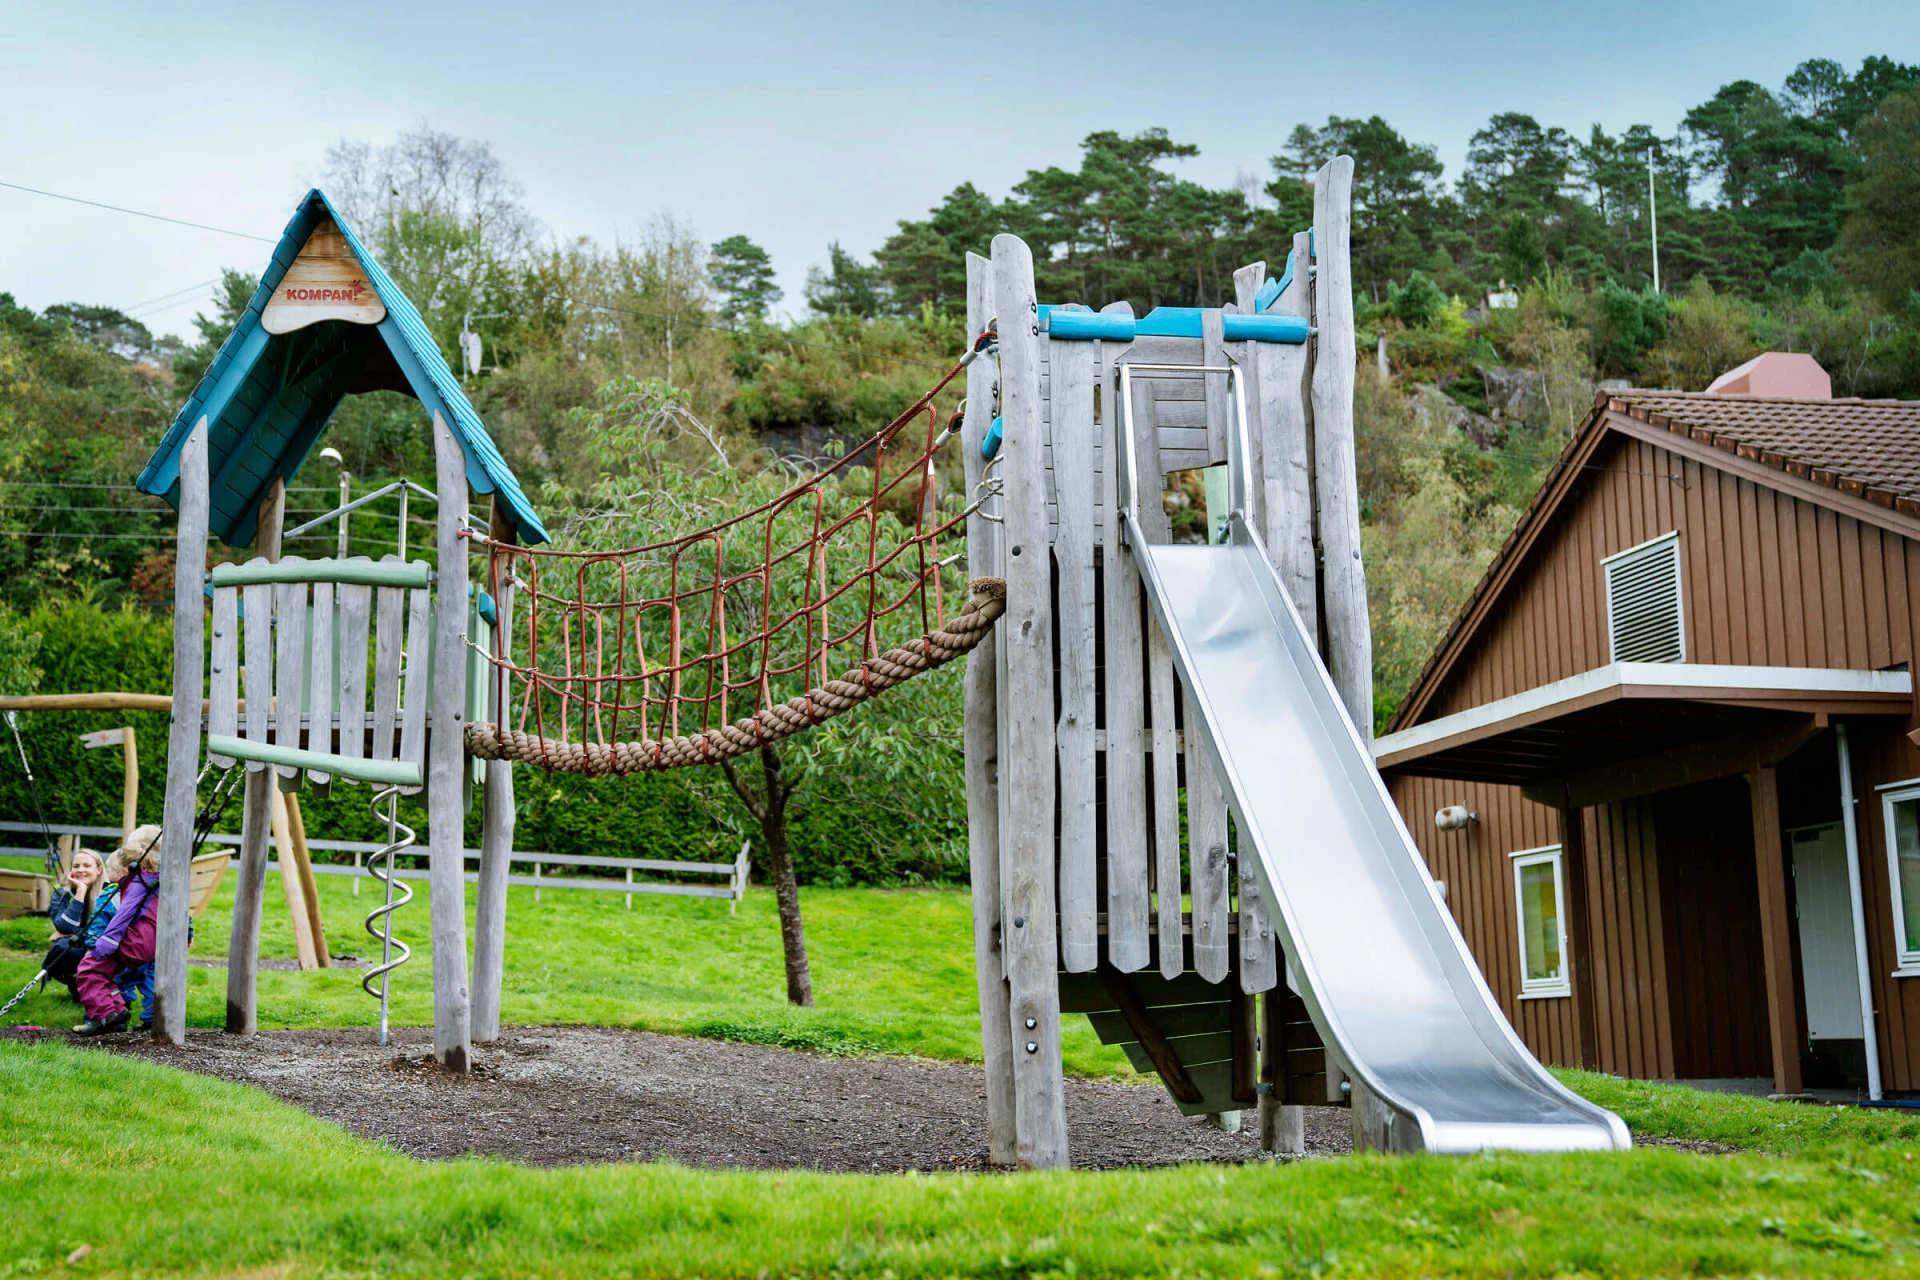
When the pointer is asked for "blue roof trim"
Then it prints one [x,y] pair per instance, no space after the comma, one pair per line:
[264,420]
[1077,324]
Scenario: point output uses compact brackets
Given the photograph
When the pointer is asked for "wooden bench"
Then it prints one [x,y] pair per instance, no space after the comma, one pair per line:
[24,893]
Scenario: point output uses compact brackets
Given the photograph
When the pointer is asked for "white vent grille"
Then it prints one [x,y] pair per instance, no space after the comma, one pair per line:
[1645,620]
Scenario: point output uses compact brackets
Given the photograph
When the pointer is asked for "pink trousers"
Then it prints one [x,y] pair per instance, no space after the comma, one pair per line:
[98,996]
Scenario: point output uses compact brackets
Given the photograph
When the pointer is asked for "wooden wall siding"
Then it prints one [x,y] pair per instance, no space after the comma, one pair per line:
[1631,1012]
[1717,994]
[1479,878]
[1767,579]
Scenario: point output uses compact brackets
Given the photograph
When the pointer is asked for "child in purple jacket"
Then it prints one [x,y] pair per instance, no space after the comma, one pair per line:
[127,943]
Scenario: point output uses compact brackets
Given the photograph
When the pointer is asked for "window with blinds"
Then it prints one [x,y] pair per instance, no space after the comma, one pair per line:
[1645,619]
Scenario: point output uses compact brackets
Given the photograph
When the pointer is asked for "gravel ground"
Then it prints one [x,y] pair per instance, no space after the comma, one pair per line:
[573,1095]
[567,1095]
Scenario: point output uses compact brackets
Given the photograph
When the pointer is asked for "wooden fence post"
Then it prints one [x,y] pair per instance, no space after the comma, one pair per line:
[446,757]
[171,919]
[983,746]
[249,890]
[496,828]
[1027,746]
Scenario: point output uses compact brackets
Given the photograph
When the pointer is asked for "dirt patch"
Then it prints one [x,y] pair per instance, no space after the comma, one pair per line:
[1693,1146]
[569,1095]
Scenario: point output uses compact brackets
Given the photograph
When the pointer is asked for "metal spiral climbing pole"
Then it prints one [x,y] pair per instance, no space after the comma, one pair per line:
[380,919]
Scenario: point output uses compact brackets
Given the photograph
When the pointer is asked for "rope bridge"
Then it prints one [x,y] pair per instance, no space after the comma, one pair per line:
[644,659]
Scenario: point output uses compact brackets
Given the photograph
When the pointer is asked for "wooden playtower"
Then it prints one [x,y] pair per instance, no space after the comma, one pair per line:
[1079,773]
[338,670]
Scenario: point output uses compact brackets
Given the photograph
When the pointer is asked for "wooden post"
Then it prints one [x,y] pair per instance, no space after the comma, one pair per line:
[172,917]
[496,827]
[1283,1126]
[983,747]
[243,946]
[130,794]
[1573,867]
[1776,923]
[309,886]
[446,754]
[1344,579]
[291,884]
[1026,726]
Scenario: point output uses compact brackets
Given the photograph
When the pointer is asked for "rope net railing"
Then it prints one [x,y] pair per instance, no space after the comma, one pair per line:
[705,646]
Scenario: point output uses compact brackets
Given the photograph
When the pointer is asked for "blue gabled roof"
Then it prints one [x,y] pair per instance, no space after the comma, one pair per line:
[268,397]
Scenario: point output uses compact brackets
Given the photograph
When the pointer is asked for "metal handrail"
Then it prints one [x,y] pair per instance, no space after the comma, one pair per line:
[1239,444]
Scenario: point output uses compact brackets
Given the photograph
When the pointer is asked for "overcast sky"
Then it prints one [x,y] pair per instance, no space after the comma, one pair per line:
[793,123]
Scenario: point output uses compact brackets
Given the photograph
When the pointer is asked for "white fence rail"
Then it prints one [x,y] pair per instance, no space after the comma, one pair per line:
[736,871]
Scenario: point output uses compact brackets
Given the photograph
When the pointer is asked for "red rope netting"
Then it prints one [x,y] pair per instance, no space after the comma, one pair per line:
[650,657]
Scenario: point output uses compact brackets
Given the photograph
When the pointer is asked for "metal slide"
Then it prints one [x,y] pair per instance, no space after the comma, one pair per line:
[1392,988]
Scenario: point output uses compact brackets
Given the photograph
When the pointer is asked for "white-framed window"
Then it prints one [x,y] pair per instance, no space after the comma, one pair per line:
[1646,619]
[1539,891]
[1900,808]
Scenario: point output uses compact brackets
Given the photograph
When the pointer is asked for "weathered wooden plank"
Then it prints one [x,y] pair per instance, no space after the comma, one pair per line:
[1027,743]
[496,827]
[1279,408]
[321,678]
[250,883]
[257,602]
[1349,633]
[1071,412]
[290,670]
[1246,286]
[223,685]
[1207,858]
[982,743]
[413,711]
[356,618]
[389,642]
[1181,421]
[172,917]
[446,864]
[1129,945]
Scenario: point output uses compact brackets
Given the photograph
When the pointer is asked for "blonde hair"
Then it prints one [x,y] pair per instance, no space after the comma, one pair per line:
[141,849]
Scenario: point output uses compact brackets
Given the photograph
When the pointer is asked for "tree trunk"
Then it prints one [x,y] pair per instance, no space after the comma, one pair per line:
[769,809]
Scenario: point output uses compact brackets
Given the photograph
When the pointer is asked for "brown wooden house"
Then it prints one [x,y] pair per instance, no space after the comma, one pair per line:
[1691,653]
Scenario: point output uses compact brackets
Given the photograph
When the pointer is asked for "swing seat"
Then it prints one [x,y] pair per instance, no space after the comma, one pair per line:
[305,629]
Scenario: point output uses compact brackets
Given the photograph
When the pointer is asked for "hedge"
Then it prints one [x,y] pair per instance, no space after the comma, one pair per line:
[838,837]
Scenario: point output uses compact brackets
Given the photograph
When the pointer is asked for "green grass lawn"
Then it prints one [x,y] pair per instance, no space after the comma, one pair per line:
[185,1174]
[892,969]
[206,1177]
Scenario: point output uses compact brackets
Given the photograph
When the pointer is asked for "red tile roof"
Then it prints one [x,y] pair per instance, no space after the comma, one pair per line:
[1868,448]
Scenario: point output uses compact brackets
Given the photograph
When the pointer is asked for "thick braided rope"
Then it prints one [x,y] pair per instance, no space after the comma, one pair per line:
[962,632]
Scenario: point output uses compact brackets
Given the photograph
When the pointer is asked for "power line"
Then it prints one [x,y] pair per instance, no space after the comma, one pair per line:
[139,213]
